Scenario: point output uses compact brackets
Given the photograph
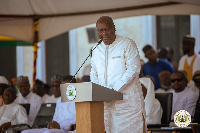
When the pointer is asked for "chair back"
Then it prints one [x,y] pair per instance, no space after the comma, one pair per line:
[45,115]
[26,106]
[165,100]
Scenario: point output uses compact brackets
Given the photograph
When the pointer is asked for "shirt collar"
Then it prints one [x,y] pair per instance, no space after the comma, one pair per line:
[111,45]
[11,104]
[28,96]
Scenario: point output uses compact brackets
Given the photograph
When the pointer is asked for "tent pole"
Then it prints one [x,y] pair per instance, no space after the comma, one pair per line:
[35,47]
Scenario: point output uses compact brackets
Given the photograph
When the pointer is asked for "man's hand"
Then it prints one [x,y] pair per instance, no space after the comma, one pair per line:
[72,127]
[53,125]
[4,126]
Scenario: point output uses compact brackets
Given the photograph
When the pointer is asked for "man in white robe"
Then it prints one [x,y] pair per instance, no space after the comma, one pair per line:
[28,97]
[11,113]
[152,105]
[55,88]
[38,88]
[116,64]
[3,85]
[183,97]
[190,62]
[165,83]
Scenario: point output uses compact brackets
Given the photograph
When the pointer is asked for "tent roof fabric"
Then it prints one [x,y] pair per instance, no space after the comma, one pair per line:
[59,16]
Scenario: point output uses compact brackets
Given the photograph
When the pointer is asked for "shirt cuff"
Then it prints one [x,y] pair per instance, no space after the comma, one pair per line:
[118,85]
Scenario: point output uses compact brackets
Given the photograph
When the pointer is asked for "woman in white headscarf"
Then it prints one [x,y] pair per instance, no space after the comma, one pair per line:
[152,105]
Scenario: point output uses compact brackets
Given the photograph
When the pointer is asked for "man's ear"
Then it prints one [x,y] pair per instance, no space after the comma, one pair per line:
[145,55]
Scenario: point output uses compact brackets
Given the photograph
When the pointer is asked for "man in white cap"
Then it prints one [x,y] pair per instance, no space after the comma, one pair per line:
[55,88]
[3,85]
[190,62]
[28,97]
[152,105]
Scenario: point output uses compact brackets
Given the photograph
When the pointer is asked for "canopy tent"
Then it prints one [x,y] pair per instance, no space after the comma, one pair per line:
[37,20]
[56,17]
[7,41]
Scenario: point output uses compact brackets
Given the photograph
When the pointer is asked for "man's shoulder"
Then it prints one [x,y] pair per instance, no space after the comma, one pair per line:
[36,97]
[125,40]
[189,92]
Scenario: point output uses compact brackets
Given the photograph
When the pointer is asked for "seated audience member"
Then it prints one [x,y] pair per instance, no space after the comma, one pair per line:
[165,83]
[68,78]
[85,78]
[11,113]
[154,65]
[196,79]
[46,89]
[28,97]
[170,58]
[152,105]
[183,98]
[63,119]
[55,88]
[38,88]
[3,85]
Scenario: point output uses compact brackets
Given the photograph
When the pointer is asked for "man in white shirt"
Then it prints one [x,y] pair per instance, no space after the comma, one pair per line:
[152,105]
[11,113]
[165,83]
[55,88]
[28,97]
[183,98]
[38,88]
[64,117]
[3,85]
[190,62]
[116,64]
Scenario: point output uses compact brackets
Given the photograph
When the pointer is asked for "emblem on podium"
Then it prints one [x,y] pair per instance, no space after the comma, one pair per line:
[182,118]
[71,92]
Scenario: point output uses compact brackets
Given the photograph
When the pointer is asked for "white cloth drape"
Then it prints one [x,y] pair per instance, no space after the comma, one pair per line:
[152,105]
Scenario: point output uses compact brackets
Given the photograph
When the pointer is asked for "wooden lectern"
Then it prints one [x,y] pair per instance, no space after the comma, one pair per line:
[88,98]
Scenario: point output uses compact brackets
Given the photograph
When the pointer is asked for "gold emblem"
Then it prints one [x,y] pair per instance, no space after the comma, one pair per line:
[71,92]
[182,118]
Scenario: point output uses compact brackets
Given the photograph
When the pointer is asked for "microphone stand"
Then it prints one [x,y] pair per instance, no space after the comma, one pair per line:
[85,60]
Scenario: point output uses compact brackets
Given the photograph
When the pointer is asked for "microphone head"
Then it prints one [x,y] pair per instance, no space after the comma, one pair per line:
[99,41]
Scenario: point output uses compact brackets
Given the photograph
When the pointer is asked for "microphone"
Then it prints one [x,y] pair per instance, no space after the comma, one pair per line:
[99,42]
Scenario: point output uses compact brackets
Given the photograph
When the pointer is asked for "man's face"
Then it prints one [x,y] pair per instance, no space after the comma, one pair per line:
[151,55]
[2,88]
[37,89]
[8,97]
[106,31]
[24,88]
[197,81]
[55,88]
[186,48]
[178,82]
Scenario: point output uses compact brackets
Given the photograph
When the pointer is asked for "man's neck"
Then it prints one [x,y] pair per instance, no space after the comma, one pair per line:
[191,53]
[152,62]
[179,90]
[26,95]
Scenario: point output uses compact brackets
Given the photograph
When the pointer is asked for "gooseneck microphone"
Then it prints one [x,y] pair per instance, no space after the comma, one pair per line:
[99,42]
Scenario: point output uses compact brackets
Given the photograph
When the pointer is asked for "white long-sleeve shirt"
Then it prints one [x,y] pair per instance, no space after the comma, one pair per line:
[35,103]
[184,100]
[65,114]
[51,99]
[116,64]
[14,113]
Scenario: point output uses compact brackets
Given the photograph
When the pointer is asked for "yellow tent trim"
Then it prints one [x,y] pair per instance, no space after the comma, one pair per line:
[4,38]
